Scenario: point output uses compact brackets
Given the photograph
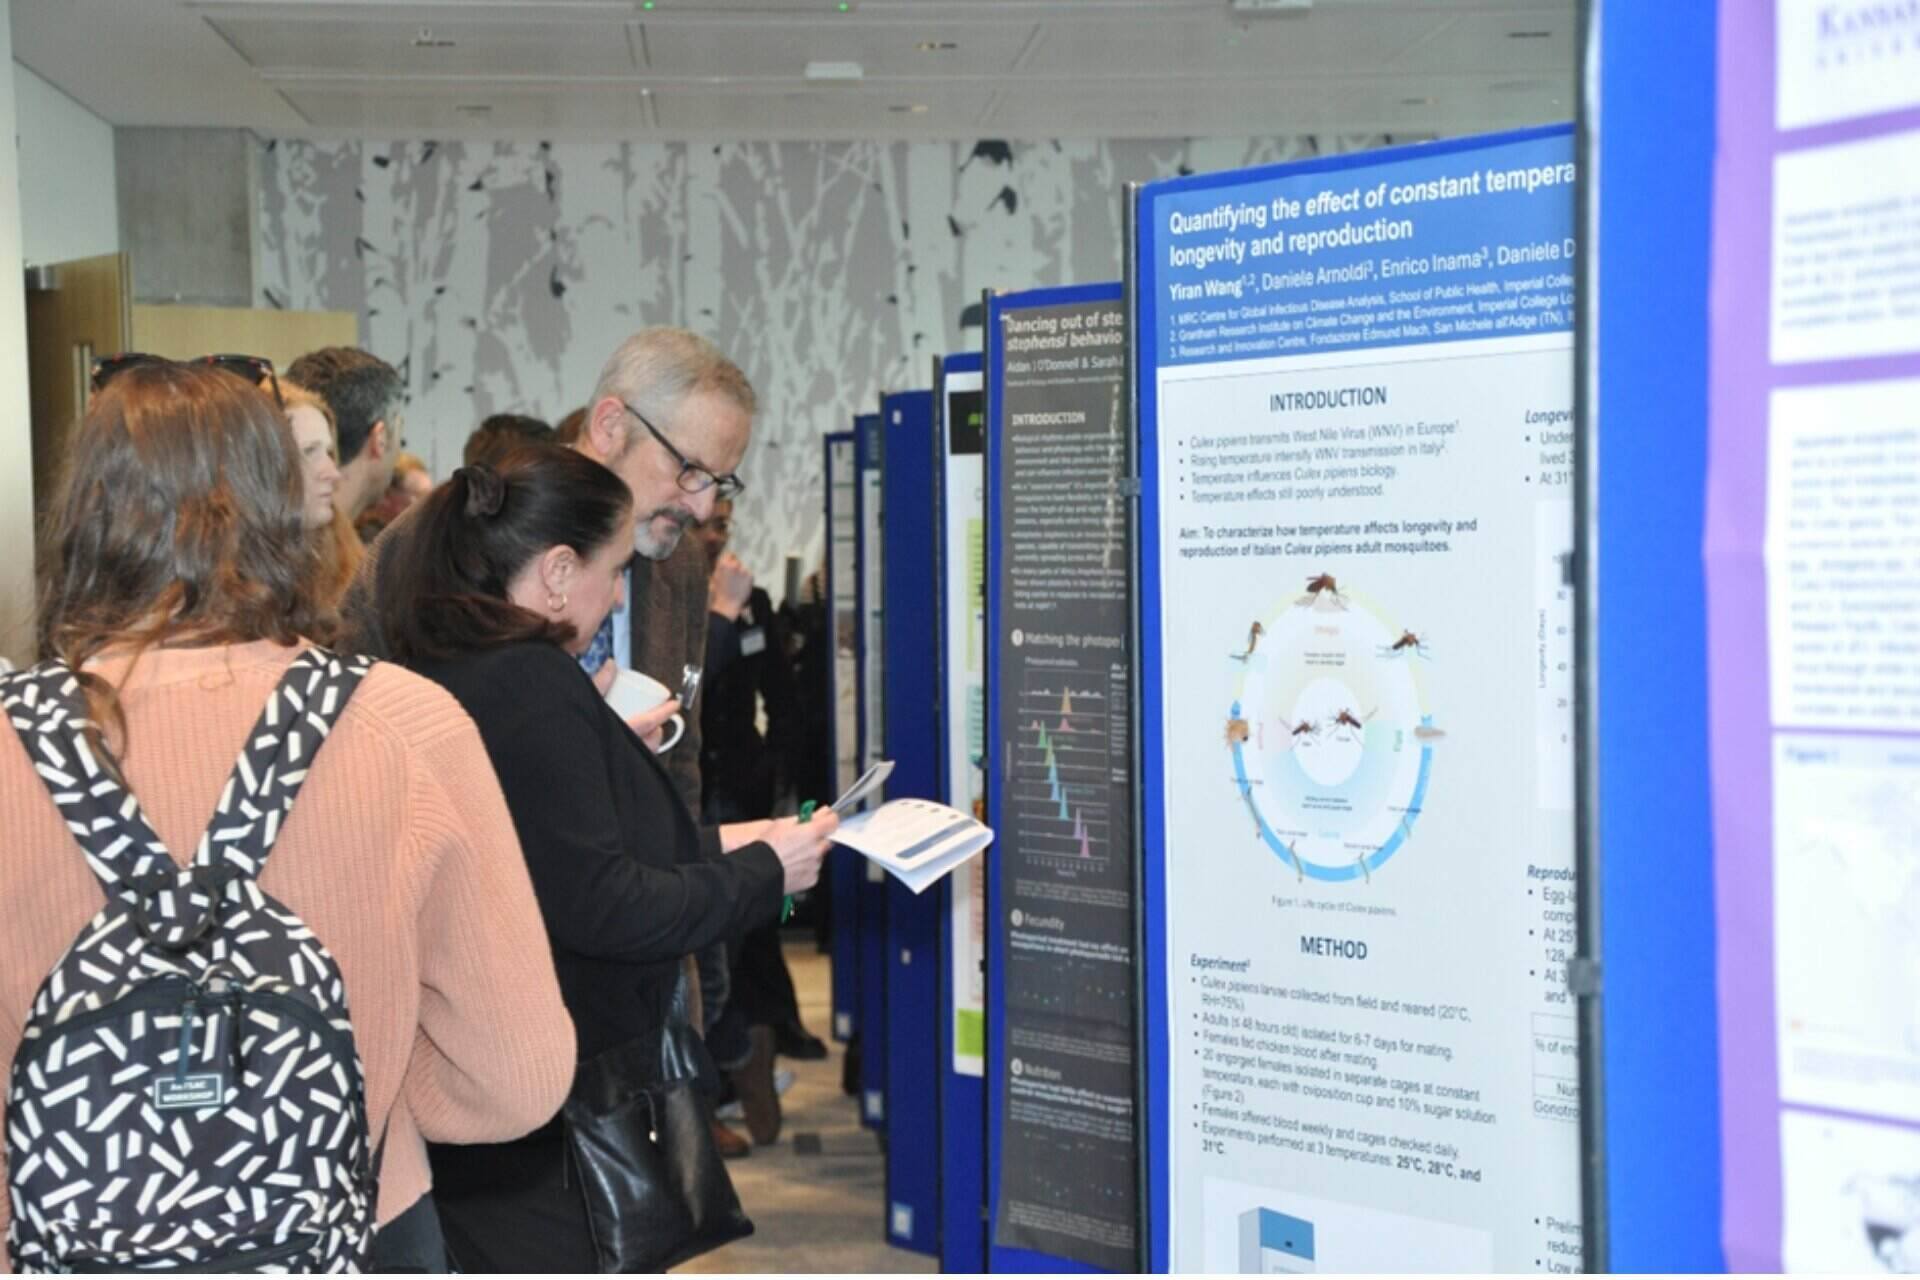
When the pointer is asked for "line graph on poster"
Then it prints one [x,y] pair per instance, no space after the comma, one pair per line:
[1331,742]
[1062,769]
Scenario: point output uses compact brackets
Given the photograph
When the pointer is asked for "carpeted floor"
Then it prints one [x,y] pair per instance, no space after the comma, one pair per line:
[816,1198]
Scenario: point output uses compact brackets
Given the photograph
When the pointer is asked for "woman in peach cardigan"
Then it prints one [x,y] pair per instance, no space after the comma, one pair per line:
[177,578]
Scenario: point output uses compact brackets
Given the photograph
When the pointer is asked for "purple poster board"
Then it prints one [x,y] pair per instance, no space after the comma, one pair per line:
[1813,576]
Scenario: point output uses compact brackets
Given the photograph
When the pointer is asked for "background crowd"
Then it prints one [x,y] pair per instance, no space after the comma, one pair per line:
[525,891]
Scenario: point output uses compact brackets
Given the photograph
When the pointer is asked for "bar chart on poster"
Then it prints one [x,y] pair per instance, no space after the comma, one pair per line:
[1359,413]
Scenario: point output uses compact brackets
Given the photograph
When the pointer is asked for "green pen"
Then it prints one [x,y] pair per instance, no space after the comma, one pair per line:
[806,814]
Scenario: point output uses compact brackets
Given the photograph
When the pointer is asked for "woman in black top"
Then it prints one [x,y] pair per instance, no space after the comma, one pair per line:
[498,584]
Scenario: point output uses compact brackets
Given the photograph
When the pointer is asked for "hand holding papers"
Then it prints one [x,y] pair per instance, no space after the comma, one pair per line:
[865,785]
[916,841]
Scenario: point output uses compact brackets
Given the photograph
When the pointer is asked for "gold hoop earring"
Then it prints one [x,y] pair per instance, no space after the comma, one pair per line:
[557,604]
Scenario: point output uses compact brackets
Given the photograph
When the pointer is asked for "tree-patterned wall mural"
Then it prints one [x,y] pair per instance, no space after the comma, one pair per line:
[500,276]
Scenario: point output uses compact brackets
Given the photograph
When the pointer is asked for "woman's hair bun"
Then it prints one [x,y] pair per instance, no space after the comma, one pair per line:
[486,491]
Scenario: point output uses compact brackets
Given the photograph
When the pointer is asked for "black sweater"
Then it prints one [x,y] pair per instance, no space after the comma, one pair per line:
[627,883]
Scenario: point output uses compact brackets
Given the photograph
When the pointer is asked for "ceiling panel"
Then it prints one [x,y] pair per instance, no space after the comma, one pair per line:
[735,68]
[545,110]
[784,48]
[1504,43]
[1450,105]
[1198,45]
[441,47]
[852,111]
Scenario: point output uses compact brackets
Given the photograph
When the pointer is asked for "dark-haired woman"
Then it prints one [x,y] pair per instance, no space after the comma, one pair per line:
[177,581]
[493,587]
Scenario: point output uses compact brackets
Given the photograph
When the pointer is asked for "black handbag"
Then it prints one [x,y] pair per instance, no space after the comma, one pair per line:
[639,1131]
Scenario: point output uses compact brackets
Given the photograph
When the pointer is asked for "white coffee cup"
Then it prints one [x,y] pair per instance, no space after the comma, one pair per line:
[634,692]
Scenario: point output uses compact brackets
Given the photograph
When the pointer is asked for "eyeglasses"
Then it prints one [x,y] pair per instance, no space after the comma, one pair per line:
[257,371]
[693,477]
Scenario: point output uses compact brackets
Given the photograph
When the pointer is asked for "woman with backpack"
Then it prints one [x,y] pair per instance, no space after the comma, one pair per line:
[493,586]
[231,1040]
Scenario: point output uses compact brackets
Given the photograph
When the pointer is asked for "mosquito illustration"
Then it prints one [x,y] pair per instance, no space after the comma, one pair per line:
[1348,726]
[1253,639]
[1407,644]
[1305,732]
[1322,587]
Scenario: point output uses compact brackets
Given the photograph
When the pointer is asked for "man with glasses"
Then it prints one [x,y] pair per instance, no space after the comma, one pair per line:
[671,416]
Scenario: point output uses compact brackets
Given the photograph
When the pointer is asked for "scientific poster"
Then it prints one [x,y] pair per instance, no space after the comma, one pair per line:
[872,556]
[845,868]
[1064,791]
[844,609]
[1362,423]
[1813,585]
[966,693]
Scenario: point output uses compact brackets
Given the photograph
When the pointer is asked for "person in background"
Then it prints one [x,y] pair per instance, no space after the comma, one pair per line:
[176,580]
[365,394]
[498,435]
[336,544]
[411,482]
[503,577]
[313,435]
[808,748]
[747,666]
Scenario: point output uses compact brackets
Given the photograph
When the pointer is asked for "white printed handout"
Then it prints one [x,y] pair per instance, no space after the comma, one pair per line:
[917,842]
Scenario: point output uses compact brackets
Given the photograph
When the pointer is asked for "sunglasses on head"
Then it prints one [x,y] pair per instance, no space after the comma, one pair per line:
[256,370]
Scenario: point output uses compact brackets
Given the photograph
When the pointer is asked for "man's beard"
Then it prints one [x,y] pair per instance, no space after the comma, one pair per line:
[651,546]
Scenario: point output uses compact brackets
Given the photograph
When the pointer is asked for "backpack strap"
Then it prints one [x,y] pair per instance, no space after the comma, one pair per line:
[49,712]
[275,761]
[175,907]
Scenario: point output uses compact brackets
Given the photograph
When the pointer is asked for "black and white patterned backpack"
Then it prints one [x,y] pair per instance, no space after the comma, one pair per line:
[187,1095]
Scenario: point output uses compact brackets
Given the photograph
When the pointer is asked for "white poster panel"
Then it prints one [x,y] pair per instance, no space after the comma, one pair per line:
[1364,434]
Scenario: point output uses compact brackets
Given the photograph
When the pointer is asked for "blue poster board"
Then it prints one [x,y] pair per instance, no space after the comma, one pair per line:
[998,465]
[1645,323]
[963,1124]
[912,737]
[869,449]
[1355,389]
[844,866]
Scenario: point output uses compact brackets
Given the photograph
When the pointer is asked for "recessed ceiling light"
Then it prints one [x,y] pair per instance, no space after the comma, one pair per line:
[936,46]
[474,109]
[1416,102]
[909,108]
[1529,35]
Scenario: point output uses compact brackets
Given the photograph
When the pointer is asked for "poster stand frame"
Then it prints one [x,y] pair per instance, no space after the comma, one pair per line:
[841,867]
[1149,683]
[962,1117]
[913,1169]
[1002,1258]
[871,947]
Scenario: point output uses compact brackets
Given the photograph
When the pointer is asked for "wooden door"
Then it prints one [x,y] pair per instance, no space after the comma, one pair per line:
[88,313]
